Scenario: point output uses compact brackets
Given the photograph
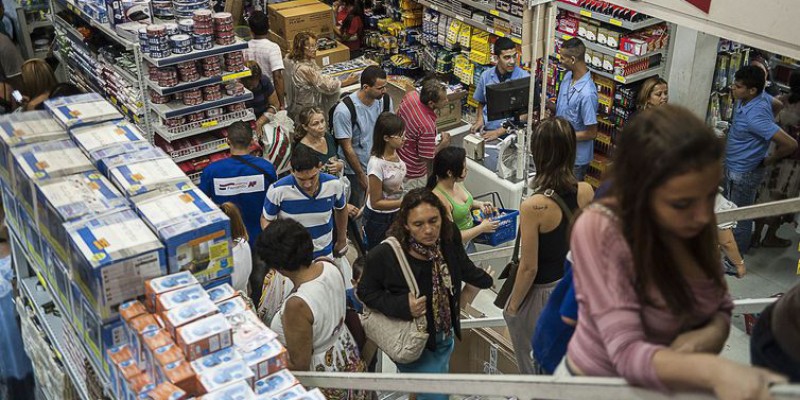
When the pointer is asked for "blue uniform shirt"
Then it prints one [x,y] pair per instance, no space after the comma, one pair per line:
[578,104]
[751,131]
[490,77]
[234,181]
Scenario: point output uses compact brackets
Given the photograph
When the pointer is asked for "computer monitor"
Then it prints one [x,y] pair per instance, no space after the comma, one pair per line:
[508,99]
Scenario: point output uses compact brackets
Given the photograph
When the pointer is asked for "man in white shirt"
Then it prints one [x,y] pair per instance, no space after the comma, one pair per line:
[266,53]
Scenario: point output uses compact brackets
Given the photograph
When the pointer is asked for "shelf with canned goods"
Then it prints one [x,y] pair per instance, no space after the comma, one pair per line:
[633,26]
[471,22]
[176,109]
[200,150]
[175,59]
[630,78]
[195,128]
[228,76]
[490,9]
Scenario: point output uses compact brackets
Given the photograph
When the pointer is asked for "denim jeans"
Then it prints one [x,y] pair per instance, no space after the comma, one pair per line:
[375,226]
[580,171]
[741,188]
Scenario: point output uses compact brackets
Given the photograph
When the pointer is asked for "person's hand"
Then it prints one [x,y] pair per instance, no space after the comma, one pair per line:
[486,208]
[477,126]
[688,342]
[417,305]
[353,211]
[445,140]
[494,134]
[351,79]
[739,382]
[363,181]
[340,248]
[334,166]
[488,225]
[741,270]
[511,310]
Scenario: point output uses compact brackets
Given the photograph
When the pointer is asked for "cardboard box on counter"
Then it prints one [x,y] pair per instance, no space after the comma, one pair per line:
[289,18]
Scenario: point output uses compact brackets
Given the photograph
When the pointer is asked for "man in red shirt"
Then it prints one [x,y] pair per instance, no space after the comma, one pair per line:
[418,112]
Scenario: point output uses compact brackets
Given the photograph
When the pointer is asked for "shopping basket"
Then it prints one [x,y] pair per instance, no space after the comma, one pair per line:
[506,230]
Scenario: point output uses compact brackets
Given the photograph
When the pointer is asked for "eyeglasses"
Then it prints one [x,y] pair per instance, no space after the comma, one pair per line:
[401,137]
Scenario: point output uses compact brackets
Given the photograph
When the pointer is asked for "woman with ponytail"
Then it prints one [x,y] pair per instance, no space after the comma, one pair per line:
[447,183]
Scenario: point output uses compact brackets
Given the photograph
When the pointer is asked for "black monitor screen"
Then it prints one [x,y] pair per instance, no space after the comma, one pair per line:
[508,99]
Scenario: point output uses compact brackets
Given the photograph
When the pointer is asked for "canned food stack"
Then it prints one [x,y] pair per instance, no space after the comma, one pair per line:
[188,72]
[223,28]
[234,88]
[234,62]
[235,107]
[181,44]
[167,77]
[214,112]
[186,26]
[157,41]
[212,92]
[203,28]
[211,66]
[156,98]
[163,9]
[186,8]
[193,97]
[196,117]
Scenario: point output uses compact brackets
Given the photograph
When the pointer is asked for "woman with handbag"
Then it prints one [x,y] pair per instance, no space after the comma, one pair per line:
[416,275]
[311,322]
[545,218]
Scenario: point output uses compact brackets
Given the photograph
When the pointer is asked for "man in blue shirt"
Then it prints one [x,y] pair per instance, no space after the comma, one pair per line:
[311,198]
[506,70]
[355,142]
[577,102]
[752,129]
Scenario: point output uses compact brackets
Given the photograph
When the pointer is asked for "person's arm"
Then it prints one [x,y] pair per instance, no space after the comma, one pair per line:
[709,338]
[480,98]
[443,143]
[588,110]
[372,288]
[271,208]
[343,131]
[340,217]
[376,199]
[728,245]
[470,273]
[325,84]
[589,134]
[532,212]
[784,146]
[298,322]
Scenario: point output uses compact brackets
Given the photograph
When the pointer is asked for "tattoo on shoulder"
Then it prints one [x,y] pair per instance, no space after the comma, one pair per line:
[540,207]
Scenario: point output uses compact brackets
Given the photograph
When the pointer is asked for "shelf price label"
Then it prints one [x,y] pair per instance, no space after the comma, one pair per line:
[222,146]
[621,56]
[620,79]
[209,124]
[499,33]
[614,21]
[516,40]
[566,37]
[236,75]
[494,12]
[585,13]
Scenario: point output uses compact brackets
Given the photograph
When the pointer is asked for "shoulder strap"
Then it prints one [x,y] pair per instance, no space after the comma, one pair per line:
[401,258]
[351,107]
[256,167]
[386,100]
[552,195]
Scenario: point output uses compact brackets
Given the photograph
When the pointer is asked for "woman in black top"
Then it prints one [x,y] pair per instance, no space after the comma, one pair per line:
[544,233]
[432,244]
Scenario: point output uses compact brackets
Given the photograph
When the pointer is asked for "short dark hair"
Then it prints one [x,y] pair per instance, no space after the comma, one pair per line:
[239,135]
[303,159]
[432,90]
[285,245]
[259,24]
[751,77]
[387,124]
[575,48]
[371,75]
[358,267]
[502,44]
[449,161]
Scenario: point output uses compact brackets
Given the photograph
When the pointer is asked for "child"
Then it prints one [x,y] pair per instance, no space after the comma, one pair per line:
[242,259]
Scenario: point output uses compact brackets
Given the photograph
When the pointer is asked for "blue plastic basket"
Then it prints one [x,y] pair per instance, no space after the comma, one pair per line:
[507,228]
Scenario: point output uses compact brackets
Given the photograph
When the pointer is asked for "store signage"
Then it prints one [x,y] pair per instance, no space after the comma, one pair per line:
[704,5]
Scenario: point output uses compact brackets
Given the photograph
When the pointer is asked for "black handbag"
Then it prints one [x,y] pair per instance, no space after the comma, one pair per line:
[510,271]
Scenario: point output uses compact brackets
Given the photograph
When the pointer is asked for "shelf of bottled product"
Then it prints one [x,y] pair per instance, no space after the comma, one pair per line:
[489,9]
[633,26]
[53,326]
[630,78]
[470,21]
[198,83]
[176,109]
[200,150]
[609,51]
[196,54]
[103,27]
[195,128]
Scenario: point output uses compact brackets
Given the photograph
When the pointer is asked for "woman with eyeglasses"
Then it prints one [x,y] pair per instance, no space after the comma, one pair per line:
[308,86]
[385,172]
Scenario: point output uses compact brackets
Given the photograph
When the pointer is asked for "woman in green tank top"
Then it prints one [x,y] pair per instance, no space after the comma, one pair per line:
[447,183]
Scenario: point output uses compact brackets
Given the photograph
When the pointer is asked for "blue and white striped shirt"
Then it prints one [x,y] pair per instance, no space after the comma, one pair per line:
[286,199]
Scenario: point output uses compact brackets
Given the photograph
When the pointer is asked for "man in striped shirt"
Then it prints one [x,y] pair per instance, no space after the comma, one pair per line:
[418,110]
[311,198]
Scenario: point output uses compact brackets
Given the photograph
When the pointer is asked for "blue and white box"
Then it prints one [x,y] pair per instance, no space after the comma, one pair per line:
[82,109]
[99,137]
[100,335]
[221,293]
[21,129]
[214,360]
[239,391]
[102,156]
[112,256]
[180,297]
[294,392]
[142,172]
[275,383]
[194,230]
[225,374]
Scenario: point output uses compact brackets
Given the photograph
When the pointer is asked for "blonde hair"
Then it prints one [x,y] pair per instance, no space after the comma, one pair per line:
[237,224]
[303,119]
[298,52]
[642,102]
[37,77]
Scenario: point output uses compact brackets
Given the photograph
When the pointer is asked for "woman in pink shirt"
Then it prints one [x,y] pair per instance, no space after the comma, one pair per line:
[653,305]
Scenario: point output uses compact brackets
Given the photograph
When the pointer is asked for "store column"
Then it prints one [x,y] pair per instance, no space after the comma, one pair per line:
[691,69]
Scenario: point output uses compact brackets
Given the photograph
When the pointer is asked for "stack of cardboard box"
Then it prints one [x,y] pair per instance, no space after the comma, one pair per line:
[288,19]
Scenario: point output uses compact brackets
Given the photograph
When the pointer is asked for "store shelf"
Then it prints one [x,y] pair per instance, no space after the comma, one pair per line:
[629,78]
[196,128]
[196,54]
[493,11]
[594,46]
[204,149]
[195,177]
[782,86]
[105,28]
[178,109]
[633,26]
[198,83]
[471,22]
[39,24]
[122,72]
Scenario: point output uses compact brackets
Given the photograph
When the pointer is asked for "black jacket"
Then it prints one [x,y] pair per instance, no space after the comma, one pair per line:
[383,288]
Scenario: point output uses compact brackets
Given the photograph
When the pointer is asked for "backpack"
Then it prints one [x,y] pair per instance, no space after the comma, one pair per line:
[351,107]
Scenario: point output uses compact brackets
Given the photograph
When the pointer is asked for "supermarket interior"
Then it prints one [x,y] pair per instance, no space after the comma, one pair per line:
[226,199]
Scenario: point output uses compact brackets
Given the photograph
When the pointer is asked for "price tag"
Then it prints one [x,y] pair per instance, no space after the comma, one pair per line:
[566,37]
[586,13]
[614,21]
[209,124]
[499,33]
[494,12]
[236,75]
[222,146]
[516,40]
[434,7]
[41,279]
[490,30]
[620,78]
[621,56]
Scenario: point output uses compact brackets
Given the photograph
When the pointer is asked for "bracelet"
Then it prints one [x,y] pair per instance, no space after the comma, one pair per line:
[739,263]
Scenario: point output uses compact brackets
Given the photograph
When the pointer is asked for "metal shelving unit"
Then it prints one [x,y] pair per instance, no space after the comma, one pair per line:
[630,78]
[612,52]
[633,26]
[470,21]
[493,11]
[105,28]
[198,83]
[208,125]
[176,109]
[204,149]
[194,55]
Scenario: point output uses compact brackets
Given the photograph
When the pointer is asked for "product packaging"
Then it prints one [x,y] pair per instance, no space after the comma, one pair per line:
[102,157]
[140,173]
[125,370]
[232,306]
[163,356]
[187,313]
[168,391]
[116,356]
[81,109]
[21,129]
[181,375]
[204,336]
[249,332]
[225,374]
[267,359]
[152,341]
[276,383]
[294,392]
[177,298]
[213,360]
[239,391]
[221,293]
[100,137]
[158,286]
[139,326]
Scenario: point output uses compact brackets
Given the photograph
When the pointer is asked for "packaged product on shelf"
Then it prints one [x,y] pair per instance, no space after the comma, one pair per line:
[128,311]
[204,336]
[155,287]
[138,327]
[126,11]
[112,256]
[223,375]
[232,306]
[290,18]
[249,333]
[106,157]
[180,374]
[267,359]
[177,298]
[221,293]
[167,391]
[276,383]
[139,385]
[238,390]
[22,129]
[116,356]
[294,392]
[151,342]
[92,138]
[36,163]
[145,171]
[216,359]
[70,198]
[82,109]
[188,313]
[124,371]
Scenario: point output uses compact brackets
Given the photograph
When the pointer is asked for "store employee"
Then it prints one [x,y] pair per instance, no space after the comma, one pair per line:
[577,102]
[506,69]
